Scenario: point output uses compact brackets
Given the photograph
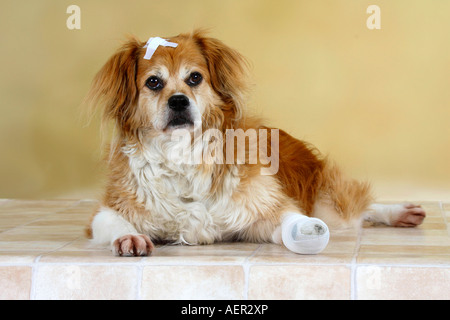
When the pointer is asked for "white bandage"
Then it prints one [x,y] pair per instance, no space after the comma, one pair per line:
[304,235]
[154,43]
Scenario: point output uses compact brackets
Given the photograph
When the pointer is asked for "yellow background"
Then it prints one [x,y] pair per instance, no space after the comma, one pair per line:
[377,101]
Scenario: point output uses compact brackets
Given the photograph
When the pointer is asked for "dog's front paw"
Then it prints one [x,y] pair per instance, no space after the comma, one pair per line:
[133,245]
[408,215]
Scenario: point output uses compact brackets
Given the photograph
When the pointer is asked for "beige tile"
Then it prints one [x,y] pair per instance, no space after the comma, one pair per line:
[446,208]
[12,220]
[30,233]
[84,282]
[99,256]
[205,254]
[82,207]
[405,249]
[299,282]
[84,244]
[31,245]
[404,254]
[431,208]
[83,251]
[193,282]
[4,201]
[400,236]
[70,268]
[430,225]
[272,253]
[18,257]
[60,224]
[340,250]
[403,283]
[39,235]
[36,206]
[18,213]
[47,228]
[15,283]
[405,259]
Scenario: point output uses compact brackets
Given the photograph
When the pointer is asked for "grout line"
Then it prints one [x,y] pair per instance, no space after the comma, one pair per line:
[246,267]
[34,271]
[444,216]
[59,248]
[143,264]
[353,267]
[140,271]
[45,215]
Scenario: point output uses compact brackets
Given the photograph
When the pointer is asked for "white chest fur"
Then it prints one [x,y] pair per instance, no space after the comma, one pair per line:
[178,197]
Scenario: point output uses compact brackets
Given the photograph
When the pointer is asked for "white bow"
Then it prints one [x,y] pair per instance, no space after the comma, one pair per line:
[154,43]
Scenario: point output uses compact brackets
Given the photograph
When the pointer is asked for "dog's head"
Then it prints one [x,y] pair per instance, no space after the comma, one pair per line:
[201,79]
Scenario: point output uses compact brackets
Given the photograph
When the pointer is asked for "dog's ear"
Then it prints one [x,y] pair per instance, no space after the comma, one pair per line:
[228,71]
[114,87]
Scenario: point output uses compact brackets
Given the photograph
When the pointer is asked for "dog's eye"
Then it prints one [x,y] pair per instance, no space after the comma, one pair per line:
[154,83]
[194,79]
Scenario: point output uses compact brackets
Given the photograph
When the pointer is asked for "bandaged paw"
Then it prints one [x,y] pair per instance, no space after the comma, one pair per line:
[304,235]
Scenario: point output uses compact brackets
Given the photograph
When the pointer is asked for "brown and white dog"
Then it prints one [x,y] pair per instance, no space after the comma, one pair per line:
[150,198]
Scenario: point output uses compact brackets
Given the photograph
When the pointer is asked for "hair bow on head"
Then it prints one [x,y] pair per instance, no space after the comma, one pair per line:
[153,44]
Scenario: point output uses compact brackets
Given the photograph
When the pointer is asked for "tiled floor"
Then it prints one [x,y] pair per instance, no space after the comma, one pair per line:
[44,255]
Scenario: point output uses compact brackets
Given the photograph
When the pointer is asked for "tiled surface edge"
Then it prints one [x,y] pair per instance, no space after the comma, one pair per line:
[44,256]
[230,282]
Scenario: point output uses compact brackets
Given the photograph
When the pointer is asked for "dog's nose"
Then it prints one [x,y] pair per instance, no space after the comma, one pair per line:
[178,102]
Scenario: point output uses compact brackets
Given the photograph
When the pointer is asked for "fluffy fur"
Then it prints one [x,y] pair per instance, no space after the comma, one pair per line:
[149,198]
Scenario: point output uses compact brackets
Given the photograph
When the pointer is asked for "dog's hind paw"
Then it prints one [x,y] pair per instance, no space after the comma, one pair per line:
[408,215]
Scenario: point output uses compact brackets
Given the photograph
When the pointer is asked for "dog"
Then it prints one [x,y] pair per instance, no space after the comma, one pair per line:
[192,83]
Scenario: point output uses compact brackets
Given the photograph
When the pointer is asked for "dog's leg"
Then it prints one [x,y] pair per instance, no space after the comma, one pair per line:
[396,215]
[110,228]
[302,234]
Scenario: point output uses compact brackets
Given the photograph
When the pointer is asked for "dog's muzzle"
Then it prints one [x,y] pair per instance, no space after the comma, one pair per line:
[179,111]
